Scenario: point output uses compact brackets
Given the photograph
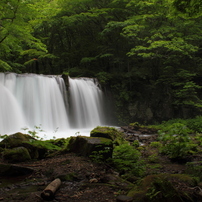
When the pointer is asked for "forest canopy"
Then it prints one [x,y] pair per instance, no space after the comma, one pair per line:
[144,50]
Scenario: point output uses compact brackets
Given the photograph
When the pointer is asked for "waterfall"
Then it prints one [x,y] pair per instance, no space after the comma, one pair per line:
[86,103]
[11,118]
[30,100]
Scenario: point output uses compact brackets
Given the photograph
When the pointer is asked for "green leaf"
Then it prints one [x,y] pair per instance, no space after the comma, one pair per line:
[4,66]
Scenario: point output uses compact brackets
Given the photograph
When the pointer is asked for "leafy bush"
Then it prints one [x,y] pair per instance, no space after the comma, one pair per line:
[198,139]
[155,144]
[101,156]
[103,77]
[165,125]
[127,160]
[176,141]
[195,124]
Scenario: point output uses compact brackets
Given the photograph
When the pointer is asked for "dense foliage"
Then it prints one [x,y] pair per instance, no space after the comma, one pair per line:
[148,52]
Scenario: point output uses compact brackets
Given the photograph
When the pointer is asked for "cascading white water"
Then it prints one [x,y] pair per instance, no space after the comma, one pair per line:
[11,118]
[86,103]
[29,100]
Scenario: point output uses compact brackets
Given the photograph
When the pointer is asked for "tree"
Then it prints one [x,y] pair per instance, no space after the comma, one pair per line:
[145,50]
[189,7]
[18,19]
[139,44]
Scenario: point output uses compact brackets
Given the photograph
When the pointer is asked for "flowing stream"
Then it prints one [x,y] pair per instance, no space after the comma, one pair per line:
[38,102]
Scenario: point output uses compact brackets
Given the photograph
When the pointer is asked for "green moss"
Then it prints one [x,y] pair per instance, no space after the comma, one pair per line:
[15,140]
[108,132]
[61,142]
[37,148]
[65,73]
[18,154]
[45,144]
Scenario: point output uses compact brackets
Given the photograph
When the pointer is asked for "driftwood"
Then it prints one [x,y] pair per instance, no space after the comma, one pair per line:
[49,192]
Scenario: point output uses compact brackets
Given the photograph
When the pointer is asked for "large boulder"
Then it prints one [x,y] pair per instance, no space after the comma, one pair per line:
[15,140]
[37,149]
[108,132]
[87,146]
[18,154]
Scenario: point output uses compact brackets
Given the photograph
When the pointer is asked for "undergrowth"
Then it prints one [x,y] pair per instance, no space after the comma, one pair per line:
[127,160]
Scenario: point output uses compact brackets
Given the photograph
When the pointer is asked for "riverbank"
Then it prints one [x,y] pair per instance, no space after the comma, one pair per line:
[86,180]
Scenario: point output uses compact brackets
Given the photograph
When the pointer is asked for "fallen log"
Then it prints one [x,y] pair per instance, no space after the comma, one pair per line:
[49,192]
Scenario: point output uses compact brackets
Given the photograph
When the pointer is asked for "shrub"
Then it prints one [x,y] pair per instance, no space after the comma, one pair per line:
[195,124]
[155,144]
[176,141]
[127,160]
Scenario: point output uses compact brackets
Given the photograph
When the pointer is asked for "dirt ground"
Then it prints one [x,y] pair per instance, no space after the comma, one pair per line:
[82,180]
[87,181]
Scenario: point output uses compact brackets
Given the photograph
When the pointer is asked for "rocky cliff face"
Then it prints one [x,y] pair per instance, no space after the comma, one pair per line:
[152,108]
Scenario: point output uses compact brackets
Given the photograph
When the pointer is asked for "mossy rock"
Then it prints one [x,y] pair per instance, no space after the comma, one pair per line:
[40,149]
[87,146]
[164,187]
[108,132]
[37,149]
[15,140]
[18,154]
